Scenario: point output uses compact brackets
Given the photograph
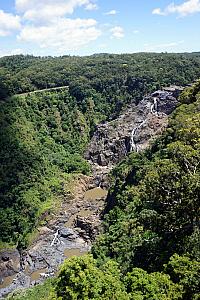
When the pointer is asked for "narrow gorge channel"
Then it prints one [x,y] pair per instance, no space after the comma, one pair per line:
[69,233]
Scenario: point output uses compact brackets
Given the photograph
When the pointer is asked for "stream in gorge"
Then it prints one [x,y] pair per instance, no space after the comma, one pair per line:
[69,233]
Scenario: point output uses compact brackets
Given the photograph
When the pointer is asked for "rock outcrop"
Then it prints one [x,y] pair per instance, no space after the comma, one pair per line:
[89,225]
[132,131]
[9,263]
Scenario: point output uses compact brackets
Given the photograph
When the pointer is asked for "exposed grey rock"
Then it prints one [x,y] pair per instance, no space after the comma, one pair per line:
[21,281]
[132,131]
[101,160]
[89,226]
[9,263]
[67,233]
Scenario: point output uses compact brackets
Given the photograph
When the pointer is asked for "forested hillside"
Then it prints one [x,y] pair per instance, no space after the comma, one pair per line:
[150,245]
[44,134]
[111,80]
[154,201]
[42,140]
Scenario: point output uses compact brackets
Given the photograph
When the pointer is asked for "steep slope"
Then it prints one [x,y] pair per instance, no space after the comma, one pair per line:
[153,206]
[42,140]
[133,131]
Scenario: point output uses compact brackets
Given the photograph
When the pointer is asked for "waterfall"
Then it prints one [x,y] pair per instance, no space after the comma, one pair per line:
[153,111]
[55,238]
[154,106]
[133,144]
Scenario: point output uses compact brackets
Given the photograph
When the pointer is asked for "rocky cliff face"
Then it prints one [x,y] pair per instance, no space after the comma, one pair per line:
[132,131]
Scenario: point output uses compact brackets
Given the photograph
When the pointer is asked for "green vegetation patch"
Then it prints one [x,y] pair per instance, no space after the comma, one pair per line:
[43,137]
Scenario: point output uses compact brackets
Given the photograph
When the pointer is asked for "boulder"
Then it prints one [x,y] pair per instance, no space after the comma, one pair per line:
[9,262]
[67,233]
[90,226]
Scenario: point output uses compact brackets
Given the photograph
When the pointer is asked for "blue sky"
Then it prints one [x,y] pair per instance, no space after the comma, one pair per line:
[82,27]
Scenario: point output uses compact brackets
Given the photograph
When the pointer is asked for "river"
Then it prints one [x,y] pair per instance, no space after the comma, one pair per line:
[68,234]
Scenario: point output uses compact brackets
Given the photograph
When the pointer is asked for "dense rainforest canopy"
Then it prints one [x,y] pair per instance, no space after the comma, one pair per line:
[110,80]
[44,134]
[150,245]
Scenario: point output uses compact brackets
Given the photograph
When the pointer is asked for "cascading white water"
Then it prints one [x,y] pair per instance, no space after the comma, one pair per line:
[154,106]
[133,145]
[153,110]
[55,239]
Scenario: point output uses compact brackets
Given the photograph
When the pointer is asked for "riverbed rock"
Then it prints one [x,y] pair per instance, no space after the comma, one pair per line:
[44,230]
[67,233]
[90,226]
[9,262]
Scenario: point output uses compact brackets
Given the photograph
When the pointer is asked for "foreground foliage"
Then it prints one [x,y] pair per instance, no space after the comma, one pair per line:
[44,291]
[83,278]
[80,278]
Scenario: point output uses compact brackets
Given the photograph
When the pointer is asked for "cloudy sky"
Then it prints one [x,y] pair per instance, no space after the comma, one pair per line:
[82,27]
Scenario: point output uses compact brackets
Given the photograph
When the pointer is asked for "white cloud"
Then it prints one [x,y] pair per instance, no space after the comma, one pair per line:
[111,12]
[184,9]
[162,47]
[8,23]
[48,10]
[91,6]
[136,31]
[117,32]
[62,35]
[12,52]
[17,51]
[158,11]
[45,24]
